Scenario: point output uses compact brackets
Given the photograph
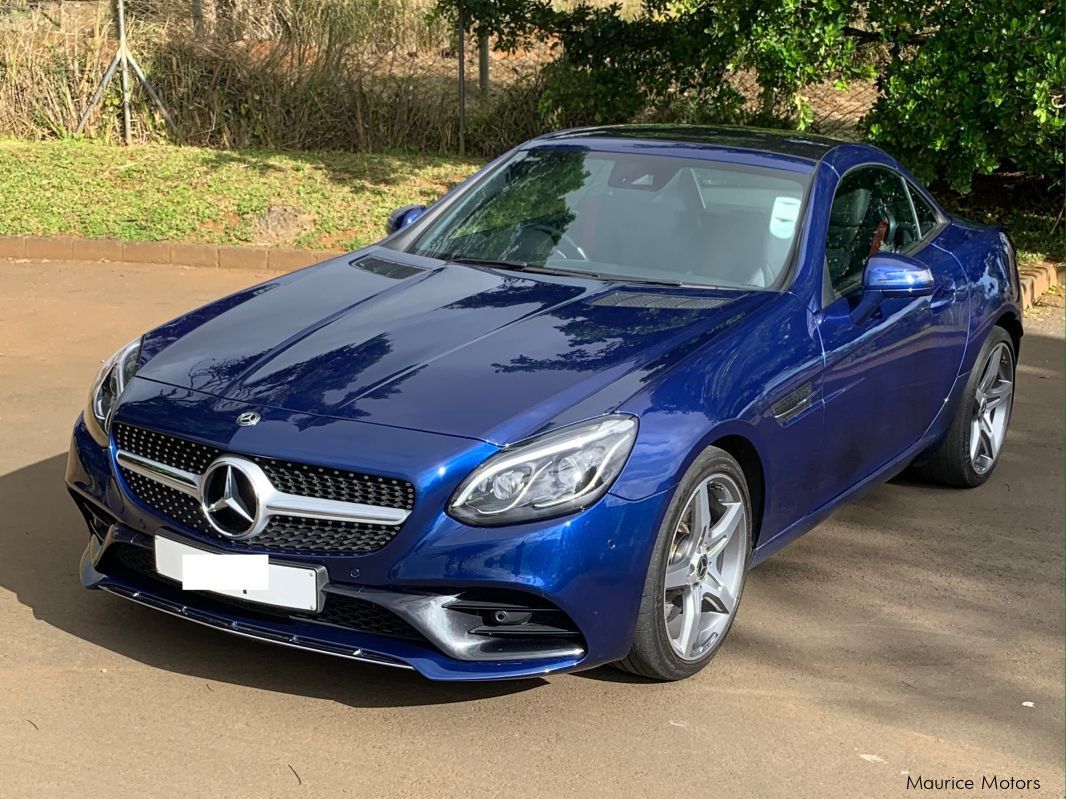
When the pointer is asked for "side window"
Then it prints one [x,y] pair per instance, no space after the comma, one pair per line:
[927,217]
[871,213]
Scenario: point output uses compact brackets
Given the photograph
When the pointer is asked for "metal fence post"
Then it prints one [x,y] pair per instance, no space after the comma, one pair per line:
[124,62]
[124,74]
[462,81]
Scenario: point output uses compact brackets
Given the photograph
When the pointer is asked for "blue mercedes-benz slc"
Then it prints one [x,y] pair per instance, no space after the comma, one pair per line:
[551,421]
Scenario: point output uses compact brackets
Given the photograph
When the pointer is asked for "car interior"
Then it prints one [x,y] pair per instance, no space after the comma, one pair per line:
[688,223]
[652,218]
[870,213]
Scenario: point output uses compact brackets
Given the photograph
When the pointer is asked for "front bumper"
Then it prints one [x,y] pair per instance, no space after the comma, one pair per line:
[591,566]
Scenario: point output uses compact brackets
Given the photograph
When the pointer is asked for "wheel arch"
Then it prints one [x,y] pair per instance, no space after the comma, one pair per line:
[1013,325]
[745,453]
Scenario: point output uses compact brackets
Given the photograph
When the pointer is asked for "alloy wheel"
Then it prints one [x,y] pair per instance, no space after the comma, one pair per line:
[704,572]
[992,407]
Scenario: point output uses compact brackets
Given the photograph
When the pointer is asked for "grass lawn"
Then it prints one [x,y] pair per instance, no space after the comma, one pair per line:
[314,200]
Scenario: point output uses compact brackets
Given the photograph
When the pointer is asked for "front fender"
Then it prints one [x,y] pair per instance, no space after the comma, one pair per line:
[731,389]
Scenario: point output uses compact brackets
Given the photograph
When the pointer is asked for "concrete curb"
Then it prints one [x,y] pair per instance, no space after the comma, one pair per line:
[1036,279]
[58,248]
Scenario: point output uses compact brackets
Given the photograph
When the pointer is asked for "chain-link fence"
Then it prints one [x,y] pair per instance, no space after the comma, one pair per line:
[372,75]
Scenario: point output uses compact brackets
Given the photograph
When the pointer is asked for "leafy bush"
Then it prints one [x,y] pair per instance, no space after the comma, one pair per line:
[790,45]
[499,122]
[671,65]
[982,91]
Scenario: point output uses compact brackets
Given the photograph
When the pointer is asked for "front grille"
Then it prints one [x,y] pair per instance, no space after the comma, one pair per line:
[180,507]
[292,534]
[323,483]
[340,610]
[172,451]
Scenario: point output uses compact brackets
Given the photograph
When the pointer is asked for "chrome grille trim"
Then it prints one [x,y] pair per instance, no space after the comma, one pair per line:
[178,479]
[275,503]
[332,510]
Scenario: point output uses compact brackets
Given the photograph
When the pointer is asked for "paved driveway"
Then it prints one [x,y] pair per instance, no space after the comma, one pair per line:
[903,637]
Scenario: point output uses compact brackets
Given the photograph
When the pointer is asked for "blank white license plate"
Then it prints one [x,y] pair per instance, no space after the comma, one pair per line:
[249,577]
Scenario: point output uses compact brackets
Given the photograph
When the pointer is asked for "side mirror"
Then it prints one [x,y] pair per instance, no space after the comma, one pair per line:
[402,217]
[893,275]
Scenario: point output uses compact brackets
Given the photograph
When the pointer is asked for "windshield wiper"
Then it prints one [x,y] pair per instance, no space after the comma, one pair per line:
[514,266]
[648,281]
[526,266]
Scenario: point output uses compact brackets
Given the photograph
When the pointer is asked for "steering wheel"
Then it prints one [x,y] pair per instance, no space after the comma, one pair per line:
[576,251]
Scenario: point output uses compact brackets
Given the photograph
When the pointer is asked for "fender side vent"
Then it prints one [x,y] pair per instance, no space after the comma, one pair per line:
[793,403]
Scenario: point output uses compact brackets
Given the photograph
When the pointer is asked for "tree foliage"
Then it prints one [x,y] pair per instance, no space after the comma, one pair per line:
[981,90]
[793,44]
[965,85]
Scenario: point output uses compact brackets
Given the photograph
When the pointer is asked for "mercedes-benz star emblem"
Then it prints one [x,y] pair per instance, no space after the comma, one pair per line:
[229,499]
[248,418]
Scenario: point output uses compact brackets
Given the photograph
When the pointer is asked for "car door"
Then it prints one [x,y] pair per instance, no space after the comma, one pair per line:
[887,372]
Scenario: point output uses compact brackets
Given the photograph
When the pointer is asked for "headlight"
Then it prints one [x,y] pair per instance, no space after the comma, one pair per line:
[547,476]
[111,381]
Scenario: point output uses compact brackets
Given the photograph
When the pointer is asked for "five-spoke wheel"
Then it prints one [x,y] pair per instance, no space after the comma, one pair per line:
[703,575]
[991,409]
[697,571]
[974,442]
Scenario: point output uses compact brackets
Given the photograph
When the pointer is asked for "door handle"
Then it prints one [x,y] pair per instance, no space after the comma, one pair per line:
[944,296]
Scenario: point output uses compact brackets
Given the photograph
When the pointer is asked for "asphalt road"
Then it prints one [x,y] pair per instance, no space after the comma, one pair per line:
[903,637]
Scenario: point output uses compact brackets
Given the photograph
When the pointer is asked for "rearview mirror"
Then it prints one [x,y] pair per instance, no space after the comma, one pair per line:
[402,217]
[895,275]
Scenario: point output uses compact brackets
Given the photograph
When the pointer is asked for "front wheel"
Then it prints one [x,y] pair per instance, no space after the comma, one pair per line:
[697,572]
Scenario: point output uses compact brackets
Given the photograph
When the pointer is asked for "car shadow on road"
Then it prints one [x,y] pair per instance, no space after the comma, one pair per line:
[41,541]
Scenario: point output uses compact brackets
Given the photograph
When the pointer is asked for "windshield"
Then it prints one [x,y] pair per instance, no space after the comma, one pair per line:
[626,216]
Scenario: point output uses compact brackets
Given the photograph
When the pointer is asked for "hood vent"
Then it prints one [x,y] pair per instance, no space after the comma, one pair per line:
[648,300]
[389,269]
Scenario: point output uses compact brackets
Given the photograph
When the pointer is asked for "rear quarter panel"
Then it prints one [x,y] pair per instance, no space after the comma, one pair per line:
[987,257]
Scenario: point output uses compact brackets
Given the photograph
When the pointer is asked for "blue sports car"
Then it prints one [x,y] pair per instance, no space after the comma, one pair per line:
[551,421]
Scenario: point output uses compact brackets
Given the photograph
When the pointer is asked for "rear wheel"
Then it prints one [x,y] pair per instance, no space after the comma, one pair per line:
[972,447]
[697,572]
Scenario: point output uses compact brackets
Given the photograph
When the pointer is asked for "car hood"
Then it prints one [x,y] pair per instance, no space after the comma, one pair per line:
[453,349]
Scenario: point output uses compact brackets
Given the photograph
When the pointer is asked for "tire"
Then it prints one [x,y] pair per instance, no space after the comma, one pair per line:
[661,631]
[952,462]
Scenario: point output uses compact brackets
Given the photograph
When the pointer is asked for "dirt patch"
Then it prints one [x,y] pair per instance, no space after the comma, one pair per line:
[281,224]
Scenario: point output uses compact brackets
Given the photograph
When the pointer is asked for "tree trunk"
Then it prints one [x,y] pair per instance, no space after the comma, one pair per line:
[766,103]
